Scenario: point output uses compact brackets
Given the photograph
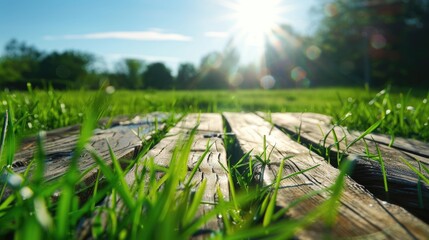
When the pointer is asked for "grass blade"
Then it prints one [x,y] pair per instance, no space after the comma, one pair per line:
[383,168]
[368,131]
[270,209]
[423,177]
[196,201]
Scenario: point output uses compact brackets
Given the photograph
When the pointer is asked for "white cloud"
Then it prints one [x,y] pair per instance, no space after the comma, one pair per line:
[216,34]
[150,35]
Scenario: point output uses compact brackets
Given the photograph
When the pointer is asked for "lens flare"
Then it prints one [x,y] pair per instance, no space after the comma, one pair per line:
[298,74]
[378,41]
[313,52]
[331,9]
[268,82]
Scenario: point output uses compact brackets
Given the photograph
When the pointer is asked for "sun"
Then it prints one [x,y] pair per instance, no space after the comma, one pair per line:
[255,19]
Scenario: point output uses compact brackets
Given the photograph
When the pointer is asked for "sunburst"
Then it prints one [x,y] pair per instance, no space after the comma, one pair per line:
[255,20]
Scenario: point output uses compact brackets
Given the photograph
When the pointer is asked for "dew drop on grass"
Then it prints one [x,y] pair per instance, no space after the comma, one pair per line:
[15,180]
[425,101]
[388,111]
[382,92]
[42,134]
[398,105]
[30,125]
[42,213]
[110,90]
[26,192]
[4,102]
[410,108]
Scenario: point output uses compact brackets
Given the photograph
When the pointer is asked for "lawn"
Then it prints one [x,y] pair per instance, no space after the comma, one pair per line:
[31,212]
[405,113]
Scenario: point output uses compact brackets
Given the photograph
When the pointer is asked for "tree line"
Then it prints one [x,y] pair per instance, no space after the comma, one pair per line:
[356,43]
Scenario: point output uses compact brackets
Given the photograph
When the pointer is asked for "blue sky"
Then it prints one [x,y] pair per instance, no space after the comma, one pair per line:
[159,30]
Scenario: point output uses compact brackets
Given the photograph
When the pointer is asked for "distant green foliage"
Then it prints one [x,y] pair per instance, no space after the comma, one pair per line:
[186,76]
[374,42]
[158,76]
[23,63]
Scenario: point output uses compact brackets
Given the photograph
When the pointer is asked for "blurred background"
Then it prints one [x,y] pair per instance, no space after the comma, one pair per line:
[210,44]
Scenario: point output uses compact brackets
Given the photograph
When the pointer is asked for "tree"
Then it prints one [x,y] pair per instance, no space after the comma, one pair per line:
[218,69]
[66,69]
[285,58]
[129,73]
[248,77]
[186,76]
[19,64]
[375,41]
[157,76]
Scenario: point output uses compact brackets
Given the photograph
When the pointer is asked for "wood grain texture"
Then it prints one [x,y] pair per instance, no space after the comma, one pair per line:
[210,168]
[403,183]
[360,214]
[411,146]
[59,146]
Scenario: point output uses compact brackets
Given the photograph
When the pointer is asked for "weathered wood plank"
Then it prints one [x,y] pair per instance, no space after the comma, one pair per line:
[60,144]
[210,168]
[360,214]
[412,146]
[403,183]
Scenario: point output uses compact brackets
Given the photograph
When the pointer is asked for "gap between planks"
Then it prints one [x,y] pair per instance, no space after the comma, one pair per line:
[403,183]
[359,215]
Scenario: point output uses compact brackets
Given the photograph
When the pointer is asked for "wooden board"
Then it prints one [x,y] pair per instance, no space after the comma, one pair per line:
[210,168]
[59,146]
[360,214]
[412,146]
[402,182]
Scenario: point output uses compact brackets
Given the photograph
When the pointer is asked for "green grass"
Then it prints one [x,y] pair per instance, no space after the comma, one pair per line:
[153,208]
[404,113]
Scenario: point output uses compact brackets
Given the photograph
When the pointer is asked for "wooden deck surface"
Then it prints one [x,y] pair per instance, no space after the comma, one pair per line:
[365,210]
[360,214]
[404,186]
[59,146]
[210,168]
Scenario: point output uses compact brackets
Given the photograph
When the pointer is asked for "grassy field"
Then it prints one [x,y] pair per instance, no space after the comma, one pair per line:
[405,113]
[31,212]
